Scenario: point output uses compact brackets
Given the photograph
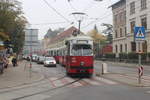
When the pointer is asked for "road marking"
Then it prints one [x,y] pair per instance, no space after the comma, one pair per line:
[57,83]
[92,82]
[53,78]
[148,92]
[37,97]
[105,80]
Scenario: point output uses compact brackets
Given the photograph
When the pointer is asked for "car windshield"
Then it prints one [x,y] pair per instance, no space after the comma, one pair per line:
[50,58]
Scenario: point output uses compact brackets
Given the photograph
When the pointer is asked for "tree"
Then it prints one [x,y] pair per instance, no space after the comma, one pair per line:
[12,22]
[98,39]
[108,31]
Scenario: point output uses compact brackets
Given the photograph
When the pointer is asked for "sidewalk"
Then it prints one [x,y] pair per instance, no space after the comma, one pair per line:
[17,76]
[127,79]
[122,64]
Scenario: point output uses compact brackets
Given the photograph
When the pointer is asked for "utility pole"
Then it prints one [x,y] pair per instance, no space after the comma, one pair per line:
[30,67]
[80,17]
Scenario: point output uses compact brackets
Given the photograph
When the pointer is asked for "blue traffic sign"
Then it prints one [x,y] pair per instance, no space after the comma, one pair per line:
[139,33]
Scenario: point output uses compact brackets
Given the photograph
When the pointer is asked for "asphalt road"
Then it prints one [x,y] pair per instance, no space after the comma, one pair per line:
[104,92]
[57,86]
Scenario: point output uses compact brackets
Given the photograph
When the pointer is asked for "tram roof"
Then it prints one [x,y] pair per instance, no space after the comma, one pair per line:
[80,37]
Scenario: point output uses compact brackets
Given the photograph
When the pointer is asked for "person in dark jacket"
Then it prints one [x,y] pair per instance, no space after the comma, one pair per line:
[1,65]
[14,61]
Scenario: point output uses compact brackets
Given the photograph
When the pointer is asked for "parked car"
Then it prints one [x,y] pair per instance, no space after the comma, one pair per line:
[34,57]
[50,61]
[41,59]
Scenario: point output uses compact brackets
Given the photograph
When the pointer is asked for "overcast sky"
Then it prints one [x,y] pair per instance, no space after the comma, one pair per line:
[42,17]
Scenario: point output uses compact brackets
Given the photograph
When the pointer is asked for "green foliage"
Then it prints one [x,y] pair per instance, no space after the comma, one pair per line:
[12,22]
[132,55]
[123,55]
[110,55]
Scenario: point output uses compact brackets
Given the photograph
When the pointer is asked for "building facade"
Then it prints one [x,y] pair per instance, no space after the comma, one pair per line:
[119,23]
[132,13]
[31,41]
[138,14]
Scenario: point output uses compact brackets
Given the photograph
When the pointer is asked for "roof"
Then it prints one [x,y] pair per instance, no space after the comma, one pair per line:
[117,3]
[63,35]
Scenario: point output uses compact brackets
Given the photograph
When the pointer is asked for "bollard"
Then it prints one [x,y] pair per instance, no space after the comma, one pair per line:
[104,68]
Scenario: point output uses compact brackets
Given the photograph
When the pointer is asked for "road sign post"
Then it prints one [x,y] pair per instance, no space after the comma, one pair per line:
[140,74]
[139,37]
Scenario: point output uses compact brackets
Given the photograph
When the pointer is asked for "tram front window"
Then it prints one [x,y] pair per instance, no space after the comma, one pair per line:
[81,50]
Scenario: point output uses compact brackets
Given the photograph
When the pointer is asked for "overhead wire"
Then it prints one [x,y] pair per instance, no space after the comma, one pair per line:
[49,23]
[48,4]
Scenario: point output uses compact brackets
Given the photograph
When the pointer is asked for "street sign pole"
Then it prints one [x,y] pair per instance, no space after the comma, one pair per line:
[139,76]
[139,37]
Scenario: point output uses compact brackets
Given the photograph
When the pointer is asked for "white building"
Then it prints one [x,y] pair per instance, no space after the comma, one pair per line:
[119,23]
[31,41]
[136,13]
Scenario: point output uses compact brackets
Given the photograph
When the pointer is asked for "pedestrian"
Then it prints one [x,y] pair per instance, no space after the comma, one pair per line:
[1,65]
[14,61]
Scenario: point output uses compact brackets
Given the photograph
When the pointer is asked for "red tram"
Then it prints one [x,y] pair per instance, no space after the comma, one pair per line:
[76,55]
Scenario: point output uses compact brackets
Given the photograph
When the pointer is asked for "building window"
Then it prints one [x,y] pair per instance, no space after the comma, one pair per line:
[125,47]
[143,4]
[144,22]
[121,32]
[120,48]
[116,34]
[116,48]
[125,29]
[132,25]
[115,19]
[132,7]
[133,46]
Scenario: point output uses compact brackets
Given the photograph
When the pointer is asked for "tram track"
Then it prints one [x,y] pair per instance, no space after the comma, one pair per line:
[28,85]
[48,90]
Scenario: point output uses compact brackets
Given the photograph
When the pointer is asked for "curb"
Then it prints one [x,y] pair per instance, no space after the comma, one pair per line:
[128,84]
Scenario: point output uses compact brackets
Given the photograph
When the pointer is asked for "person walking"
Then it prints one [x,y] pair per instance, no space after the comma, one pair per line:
[14,61]
[1,65]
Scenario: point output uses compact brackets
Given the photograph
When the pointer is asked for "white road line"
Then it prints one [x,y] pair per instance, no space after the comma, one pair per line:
[148,92]
[105,80]
[77,84]
[58,83]
[69,79]
[92,82]
[53,78]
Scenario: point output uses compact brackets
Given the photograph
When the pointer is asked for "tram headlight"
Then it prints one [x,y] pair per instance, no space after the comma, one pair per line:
[82,63]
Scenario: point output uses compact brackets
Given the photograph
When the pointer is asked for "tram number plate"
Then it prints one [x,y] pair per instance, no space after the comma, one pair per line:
[82,71]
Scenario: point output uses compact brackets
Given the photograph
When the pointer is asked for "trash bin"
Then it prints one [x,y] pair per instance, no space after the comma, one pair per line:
[104,68]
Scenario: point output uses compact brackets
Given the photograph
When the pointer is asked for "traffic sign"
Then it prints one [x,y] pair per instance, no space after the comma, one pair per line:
[139,33]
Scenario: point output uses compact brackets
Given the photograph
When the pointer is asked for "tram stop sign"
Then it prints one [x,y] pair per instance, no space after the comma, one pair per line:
[139,33]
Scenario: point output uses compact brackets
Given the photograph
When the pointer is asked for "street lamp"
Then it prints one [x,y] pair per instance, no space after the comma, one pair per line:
[80,17]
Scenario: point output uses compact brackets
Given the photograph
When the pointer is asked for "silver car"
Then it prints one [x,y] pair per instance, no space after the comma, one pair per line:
[50,61]
[41,60]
